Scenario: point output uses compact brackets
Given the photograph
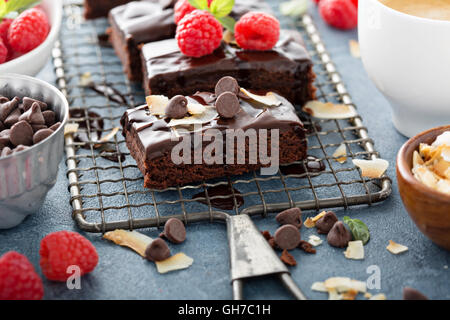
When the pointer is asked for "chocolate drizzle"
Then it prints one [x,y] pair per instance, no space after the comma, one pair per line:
[312,164]
[226,203]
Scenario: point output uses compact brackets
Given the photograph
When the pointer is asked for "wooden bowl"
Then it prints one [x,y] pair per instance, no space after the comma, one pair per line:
[429,209]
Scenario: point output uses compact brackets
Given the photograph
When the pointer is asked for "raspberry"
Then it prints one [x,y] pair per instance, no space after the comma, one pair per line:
[341,14]
[182,8]
[18,279]
[3,52]
[4,27]
[355,2]
[257,31]
[62,249]
[28,30]
[199,34]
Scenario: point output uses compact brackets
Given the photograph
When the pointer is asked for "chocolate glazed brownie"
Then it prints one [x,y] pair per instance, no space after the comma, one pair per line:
[99,8]
[150,139]
[140,22]
[286,69]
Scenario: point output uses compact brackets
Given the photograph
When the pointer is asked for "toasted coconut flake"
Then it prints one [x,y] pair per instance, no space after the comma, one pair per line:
[176,262]
[443,186]
[355,250]
[195,108]
[228,38]
[315,240]
[443,139]
[445,153]
[319,286]
[442,167]
[396,248]
[341,153]
[334,295]
[354,49]
[311,222]
[350,294]
[417,159]
[367,295]
[71,128]
[425,150]
[426,176]
[269,100]
[157,104]
[379,296]
[108,137]
[329,110]
[207,116]
[85,79]
[344,284]
[372,168]
[131,239]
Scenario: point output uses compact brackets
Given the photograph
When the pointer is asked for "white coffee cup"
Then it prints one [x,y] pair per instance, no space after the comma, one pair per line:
[408,59]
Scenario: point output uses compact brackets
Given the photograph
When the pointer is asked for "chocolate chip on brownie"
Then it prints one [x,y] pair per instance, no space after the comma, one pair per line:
[177,107]
[290,216]
[227,84]
[227,105]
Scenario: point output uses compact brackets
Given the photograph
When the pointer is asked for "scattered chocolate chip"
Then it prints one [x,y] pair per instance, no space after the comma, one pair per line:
[327,222]
[288,259]
[177,107]
[227,84]
[227,105]
[306,246]
[33,115]
[339,236]
[27,103]
[21,134]
[7,107]
[6,152]
[266,234]
[55,126]
[49,117]
[413,294]
[290,216]
[12,118]
[20,148]
[287,237]
[42,135]
[174,230]
[157,250]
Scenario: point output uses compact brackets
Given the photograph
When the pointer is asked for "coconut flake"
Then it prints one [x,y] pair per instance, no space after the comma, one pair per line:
[108,137]
[396,248]
[315,240]
[443,139]
[344,284]
[379,296]
[334,295]
[354,48]
[195,108]
[340,154]
[319,286]
[355,250]
[329,110]
[228,38]
[208,115]
[157,104]
[417,159]
[131,239]
[269,100]
[176,262]
[426,176]
[311,222]
[71,128]
[372,168]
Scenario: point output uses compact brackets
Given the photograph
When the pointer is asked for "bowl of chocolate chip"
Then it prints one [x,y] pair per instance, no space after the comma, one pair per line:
[423,173]
[32,118]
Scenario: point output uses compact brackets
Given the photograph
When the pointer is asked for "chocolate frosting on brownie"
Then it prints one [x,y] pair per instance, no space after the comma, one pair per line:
[155,136]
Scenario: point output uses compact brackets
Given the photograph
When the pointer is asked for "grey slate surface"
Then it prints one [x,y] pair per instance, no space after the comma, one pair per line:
[121,274]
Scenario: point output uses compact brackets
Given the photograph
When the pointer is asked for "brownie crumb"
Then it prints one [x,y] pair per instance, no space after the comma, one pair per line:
[288,259]
[307,247]
[266,234]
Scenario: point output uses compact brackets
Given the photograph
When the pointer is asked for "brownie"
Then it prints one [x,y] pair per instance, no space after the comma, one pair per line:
[150,140]
[286,69]
[100,8]
[140,22]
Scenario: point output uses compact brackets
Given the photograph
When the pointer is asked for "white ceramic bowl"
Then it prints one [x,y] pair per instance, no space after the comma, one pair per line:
[407,57]
[32,62]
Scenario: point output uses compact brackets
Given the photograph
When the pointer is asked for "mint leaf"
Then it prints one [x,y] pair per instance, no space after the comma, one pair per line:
[9,6]
[358,228]
[228,23]
[198,4]
[221,8]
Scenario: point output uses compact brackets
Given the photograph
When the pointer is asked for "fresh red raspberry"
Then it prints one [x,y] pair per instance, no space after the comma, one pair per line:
[341,14]
[28,30]
[183,7]
[316,1]
[3,52]
[199,34]
[18,279]
[62,249]
[355,2]
[4,27]
[257,31]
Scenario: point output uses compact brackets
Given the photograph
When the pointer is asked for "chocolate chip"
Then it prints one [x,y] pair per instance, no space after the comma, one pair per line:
[37,127]
[3,99]
[327,222]
[288,259]
[49,117]
[55,126]
[174,230]
[413,294]
[339,236]
[42,135]
[177,107]
[306,246]
[20,148]
[157,250]
[21,134]
[33,115]
[12,118]
[2,126]
[227,105]
[6,152]
[7,107]
[28,102]
[227,84]
[287,237]
[290,216]
[4,137]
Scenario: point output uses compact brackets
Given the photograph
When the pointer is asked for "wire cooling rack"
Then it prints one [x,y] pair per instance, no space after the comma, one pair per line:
[106,195]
